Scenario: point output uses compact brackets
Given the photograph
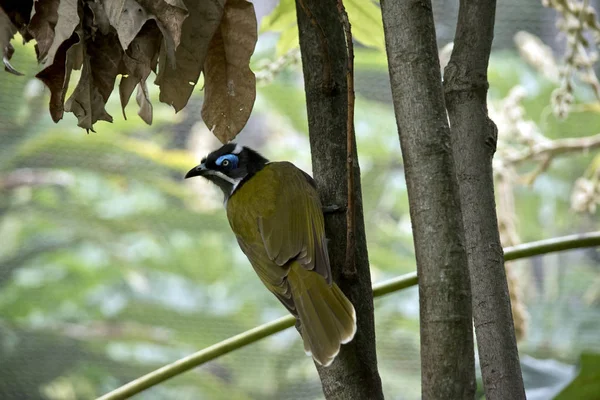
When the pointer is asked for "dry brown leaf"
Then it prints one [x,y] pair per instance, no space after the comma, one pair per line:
[96,83]
[107,58]
[19,12]
[170,14]
[143,100]
[68,19]
[131,37]
[230,85]
[139,60]
[41,26]
[142,55]
[86,101]
[126,87]
[177,82]
[127,17]
[100,19]
[69,56]
[7,30]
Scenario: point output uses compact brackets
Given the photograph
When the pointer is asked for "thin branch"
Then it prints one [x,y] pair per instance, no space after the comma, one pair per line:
[268,71]
[553,245]
[350,267]
[553,148]
[379,289]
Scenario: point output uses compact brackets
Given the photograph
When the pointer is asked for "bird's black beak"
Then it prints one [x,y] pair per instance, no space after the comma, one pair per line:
[198,170]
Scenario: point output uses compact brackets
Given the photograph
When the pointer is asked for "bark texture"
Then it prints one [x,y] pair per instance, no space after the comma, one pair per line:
[447,359]
[474,138]
[353,375]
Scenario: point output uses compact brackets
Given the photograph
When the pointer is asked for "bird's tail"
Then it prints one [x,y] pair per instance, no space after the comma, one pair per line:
[327,317]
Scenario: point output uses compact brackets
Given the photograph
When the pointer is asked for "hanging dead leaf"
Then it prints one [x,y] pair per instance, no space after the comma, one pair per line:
[140,59]
[68,19]
[100,20]
[230,85]
[106,56]
[86,102]
[170,14]
[7,31]
[143,101]
[106,38]
[56,76]
[127,17]
[19,12]
[96,83]
[126,87]
[41,26]
[177,81]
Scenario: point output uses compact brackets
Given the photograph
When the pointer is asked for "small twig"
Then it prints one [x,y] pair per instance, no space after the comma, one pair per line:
[554,148]
[350,266]
[267,72]
[540,169]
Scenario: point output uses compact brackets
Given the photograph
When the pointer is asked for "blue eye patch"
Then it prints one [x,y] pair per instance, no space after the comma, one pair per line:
[228,161]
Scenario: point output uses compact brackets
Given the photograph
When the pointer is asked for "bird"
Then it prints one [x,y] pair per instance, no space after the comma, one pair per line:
[276,215]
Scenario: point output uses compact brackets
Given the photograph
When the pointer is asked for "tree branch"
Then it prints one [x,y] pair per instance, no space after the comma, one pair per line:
[447,358]
[379,289]
[474,138]
[350,267]
[328,84]
[553,148]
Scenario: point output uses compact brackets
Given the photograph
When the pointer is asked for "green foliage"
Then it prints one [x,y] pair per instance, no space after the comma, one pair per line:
[364,16]
[586,385]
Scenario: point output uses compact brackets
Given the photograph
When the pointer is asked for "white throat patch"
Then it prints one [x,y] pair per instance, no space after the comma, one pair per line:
[224,177]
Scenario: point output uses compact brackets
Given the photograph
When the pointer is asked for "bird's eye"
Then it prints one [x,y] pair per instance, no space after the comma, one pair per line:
[227,161]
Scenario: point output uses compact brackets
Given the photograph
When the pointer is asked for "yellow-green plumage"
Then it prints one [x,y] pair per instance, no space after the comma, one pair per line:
[277,218]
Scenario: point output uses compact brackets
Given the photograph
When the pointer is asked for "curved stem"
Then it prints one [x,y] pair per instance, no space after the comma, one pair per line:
[379,289]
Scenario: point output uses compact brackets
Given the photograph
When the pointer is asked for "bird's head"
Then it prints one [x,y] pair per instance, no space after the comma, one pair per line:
[227,166]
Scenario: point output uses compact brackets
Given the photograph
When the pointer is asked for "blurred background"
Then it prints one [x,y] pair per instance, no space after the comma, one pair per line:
[111,265]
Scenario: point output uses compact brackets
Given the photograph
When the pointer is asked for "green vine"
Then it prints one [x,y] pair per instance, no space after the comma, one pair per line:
[380,289]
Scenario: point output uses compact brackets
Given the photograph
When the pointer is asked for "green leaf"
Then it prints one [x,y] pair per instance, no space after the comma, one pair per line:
[364,16]
[367,25]
[281,18]
[586,386]
[288,40]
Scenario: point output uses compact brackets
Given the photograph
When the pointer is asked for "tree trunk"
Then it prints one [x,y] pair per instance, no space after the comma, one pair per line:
[474,138]
[447,359]
[353,374]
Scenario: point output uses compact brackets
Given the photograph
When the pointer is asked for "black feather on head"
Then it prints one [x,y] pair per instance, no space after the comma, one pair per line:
[229,166]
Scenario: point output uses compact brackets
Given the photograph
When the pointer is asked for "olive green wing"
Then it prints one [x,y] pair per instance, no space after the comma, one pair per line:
[295,229]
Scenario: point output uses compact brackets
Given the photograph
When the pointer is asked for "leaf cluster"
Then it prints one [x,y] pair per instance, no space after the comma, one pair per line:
[128,39]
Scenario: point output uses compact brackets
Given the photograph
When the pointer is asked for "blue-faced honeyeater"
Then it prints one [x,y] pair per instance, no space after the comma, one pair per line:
[275,212]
